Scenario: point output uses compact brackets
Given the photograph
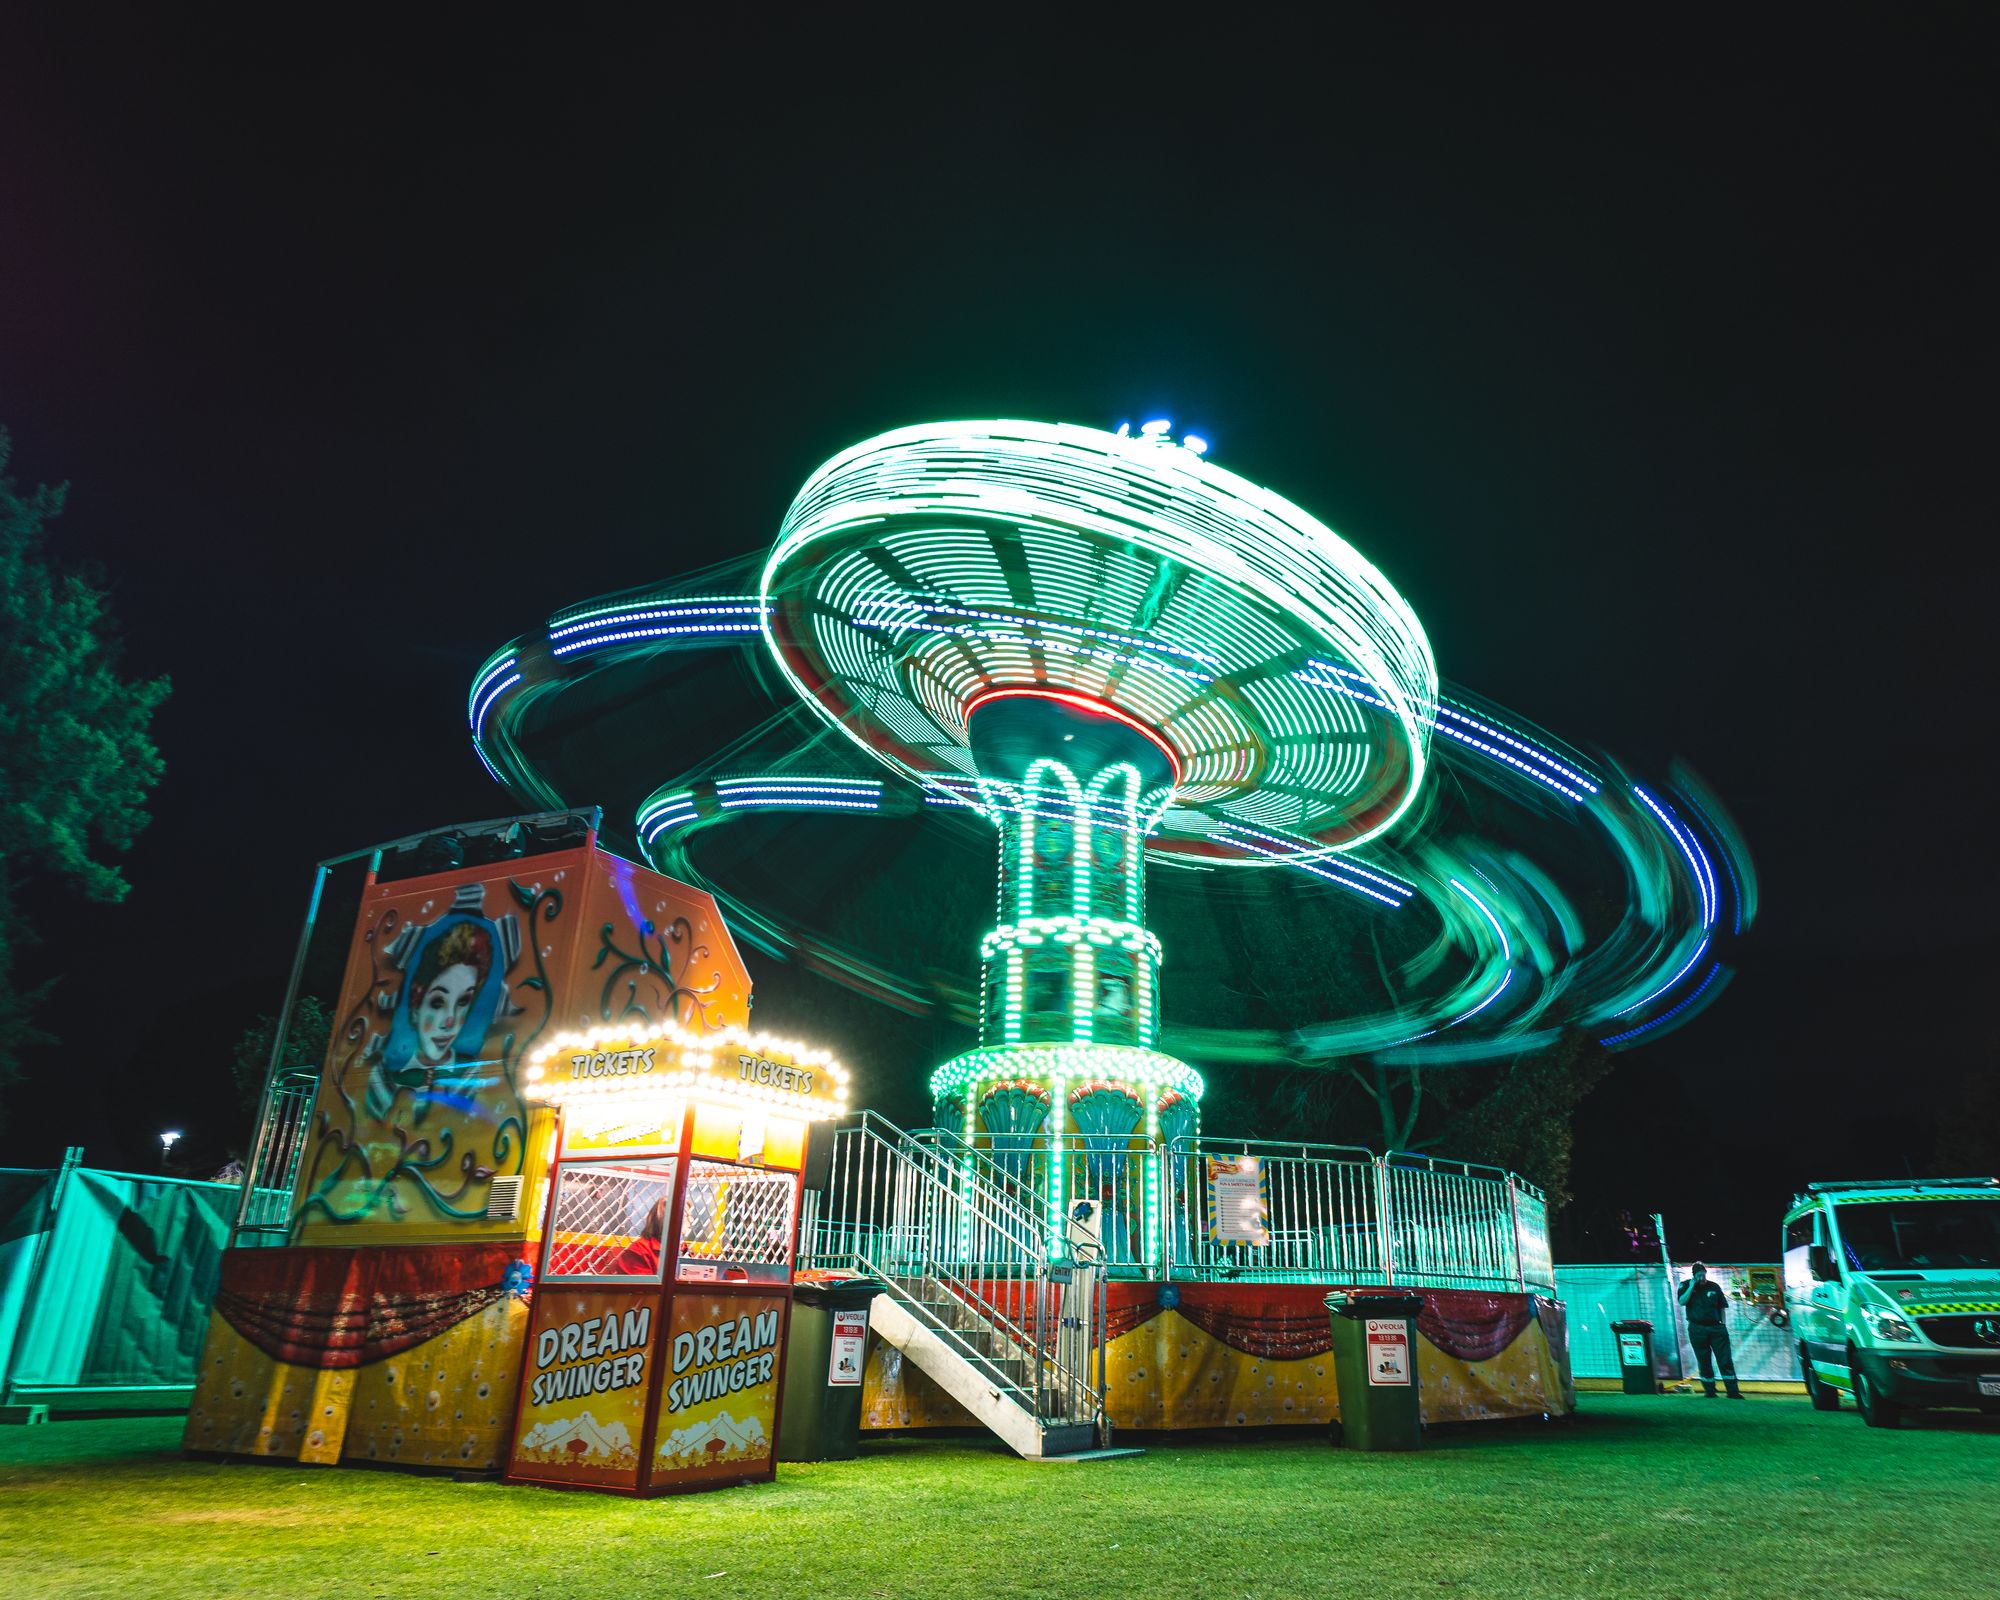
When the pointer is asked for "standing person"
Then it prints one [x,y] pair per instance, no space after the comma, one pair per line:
[1707,1304]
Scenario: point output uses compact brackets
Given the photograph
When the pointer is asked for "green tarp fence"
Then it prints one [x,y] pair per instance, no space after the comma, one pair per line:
[105,1284]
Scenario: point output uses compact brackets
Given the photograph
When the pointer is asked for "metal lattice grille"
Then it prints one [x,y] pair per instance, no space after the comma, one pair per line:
[609,1220]
[736,1222]
[1598,1296]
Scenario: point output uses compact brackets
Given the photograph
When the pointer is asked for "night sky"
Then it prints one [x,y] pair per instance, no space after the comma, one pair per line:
[1654,370]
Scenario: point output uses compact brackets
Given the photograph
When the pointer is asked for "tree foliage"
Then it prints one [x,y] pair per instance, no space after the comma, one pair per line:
[77,760]
[306,1038]
[1302,960]
[1305,959]
[1968,1139]
[1521,1116]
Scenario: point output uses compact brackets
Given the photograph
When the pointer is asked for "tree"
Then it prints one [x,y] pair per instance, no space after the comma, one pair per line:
[77,760]
[306,1039]
[1522,1120]
[1305,958]
[1968,1139]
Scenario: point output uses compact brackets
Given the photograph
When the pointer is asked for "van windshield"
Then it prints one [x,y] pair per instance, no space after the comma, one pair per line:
[1881,1235]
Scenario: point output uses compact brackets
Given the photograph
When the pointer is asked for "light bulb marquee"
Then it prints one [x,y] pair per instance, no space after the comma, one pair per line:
[665,1064]
[1156,1075]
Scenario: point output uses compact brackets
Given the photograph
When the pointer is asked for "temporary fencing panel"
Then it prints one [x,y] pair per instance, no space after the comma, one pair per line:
[105,1291]
[24,1220]
[1597,1296]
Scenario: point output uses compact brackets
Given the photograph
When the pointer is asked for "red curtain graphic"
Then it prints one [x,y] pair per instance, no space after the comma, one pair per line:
[331,1308]
[1286,1322]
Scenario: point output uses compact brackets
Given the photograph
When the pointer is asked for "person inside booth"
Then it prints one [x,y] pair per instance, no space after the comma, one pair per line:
[641,1258]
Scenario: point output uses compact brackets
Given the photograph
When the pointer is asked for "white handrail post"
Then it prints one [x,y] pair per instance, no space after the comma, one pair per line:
[1514,1220]
[1382,1220]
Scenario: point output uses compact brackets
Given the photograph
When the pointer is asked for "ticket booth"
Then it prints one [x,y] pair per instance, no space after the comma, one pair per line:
[655,1353]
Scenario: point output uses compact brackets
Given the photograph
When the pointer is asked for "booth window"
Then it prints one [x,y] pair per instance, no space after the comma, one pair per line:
[609,1221]
[736,1224]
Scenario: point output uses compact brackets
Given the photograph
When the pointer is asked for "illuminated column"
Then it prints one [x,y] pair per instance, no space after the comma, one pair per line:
[1090,626]
[1150,1250]
[1058,1178]
[1072,786]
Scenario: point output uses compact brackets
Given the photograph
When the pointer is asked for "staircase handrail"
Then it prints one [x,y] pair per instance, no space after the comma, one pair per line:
[1014,1223]
[960,1150]
[1018,1224]
[953,1182]
[992,1208]
[946,1152]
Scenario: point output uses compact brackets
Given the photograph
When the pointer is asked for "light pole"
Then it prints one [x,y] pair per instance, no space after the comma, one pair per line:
[169,1137]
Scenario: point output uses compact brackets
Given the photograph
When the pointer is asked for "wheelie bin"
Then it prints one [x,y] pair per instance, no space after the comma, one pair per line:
[1635,1356]
[821,1420]
[1375,1368]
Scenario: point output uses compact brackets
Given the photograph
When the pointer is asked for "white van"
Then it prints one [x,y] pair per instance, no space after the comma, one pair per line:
[1893,1291]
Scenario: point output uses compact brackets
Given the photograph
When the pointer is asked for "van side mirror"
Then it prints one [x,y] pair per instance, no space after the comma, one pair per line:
[1819,1260]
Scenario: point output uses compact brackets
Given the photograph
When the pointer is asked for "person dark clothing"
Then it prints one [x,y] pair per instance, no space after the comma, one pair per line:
[1707,1307]
[1706,1302]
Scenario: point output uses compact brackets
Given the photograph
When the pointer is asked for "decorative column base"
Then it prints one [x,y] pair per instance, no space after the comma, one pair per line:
[1035,1109]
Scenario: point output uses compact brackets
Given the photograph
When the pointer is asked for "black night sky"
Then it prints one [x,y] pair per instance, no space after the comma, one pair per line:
[1654,370]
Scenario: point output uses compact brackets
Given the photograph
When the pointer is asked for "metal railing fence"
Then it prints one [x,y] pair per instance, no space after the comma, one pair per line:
[1329,1213]
[1531,1228]
[272,1170]
[1452,1224]
[950,1235]
[1319,1206]
[1024,1185]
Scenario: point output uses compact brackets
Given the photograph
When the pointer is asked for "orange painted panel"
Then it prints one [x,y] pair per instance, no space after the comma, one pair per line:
[451,979]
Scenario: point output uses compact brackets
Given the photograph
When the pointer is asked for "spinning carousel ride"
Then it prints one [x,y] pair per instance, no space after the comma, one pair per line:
[1115,652]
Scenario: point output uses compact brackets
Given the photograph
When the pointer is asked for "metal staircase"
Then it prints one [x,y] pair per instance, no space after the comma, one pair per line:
[975,1290]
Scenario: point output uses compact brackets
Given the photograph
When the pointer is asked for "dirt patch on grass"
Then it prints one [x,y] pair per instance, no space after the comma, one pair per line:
[268,1517]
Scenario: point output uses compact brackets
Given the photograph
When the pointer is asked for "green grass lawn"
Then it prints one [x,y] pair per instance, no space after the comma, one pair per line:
[1641,1497]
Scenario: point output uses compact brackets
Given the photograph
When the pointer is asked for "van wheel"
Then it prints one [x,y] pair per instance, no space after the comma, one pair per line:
[1875,1410]
[1823,1395]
